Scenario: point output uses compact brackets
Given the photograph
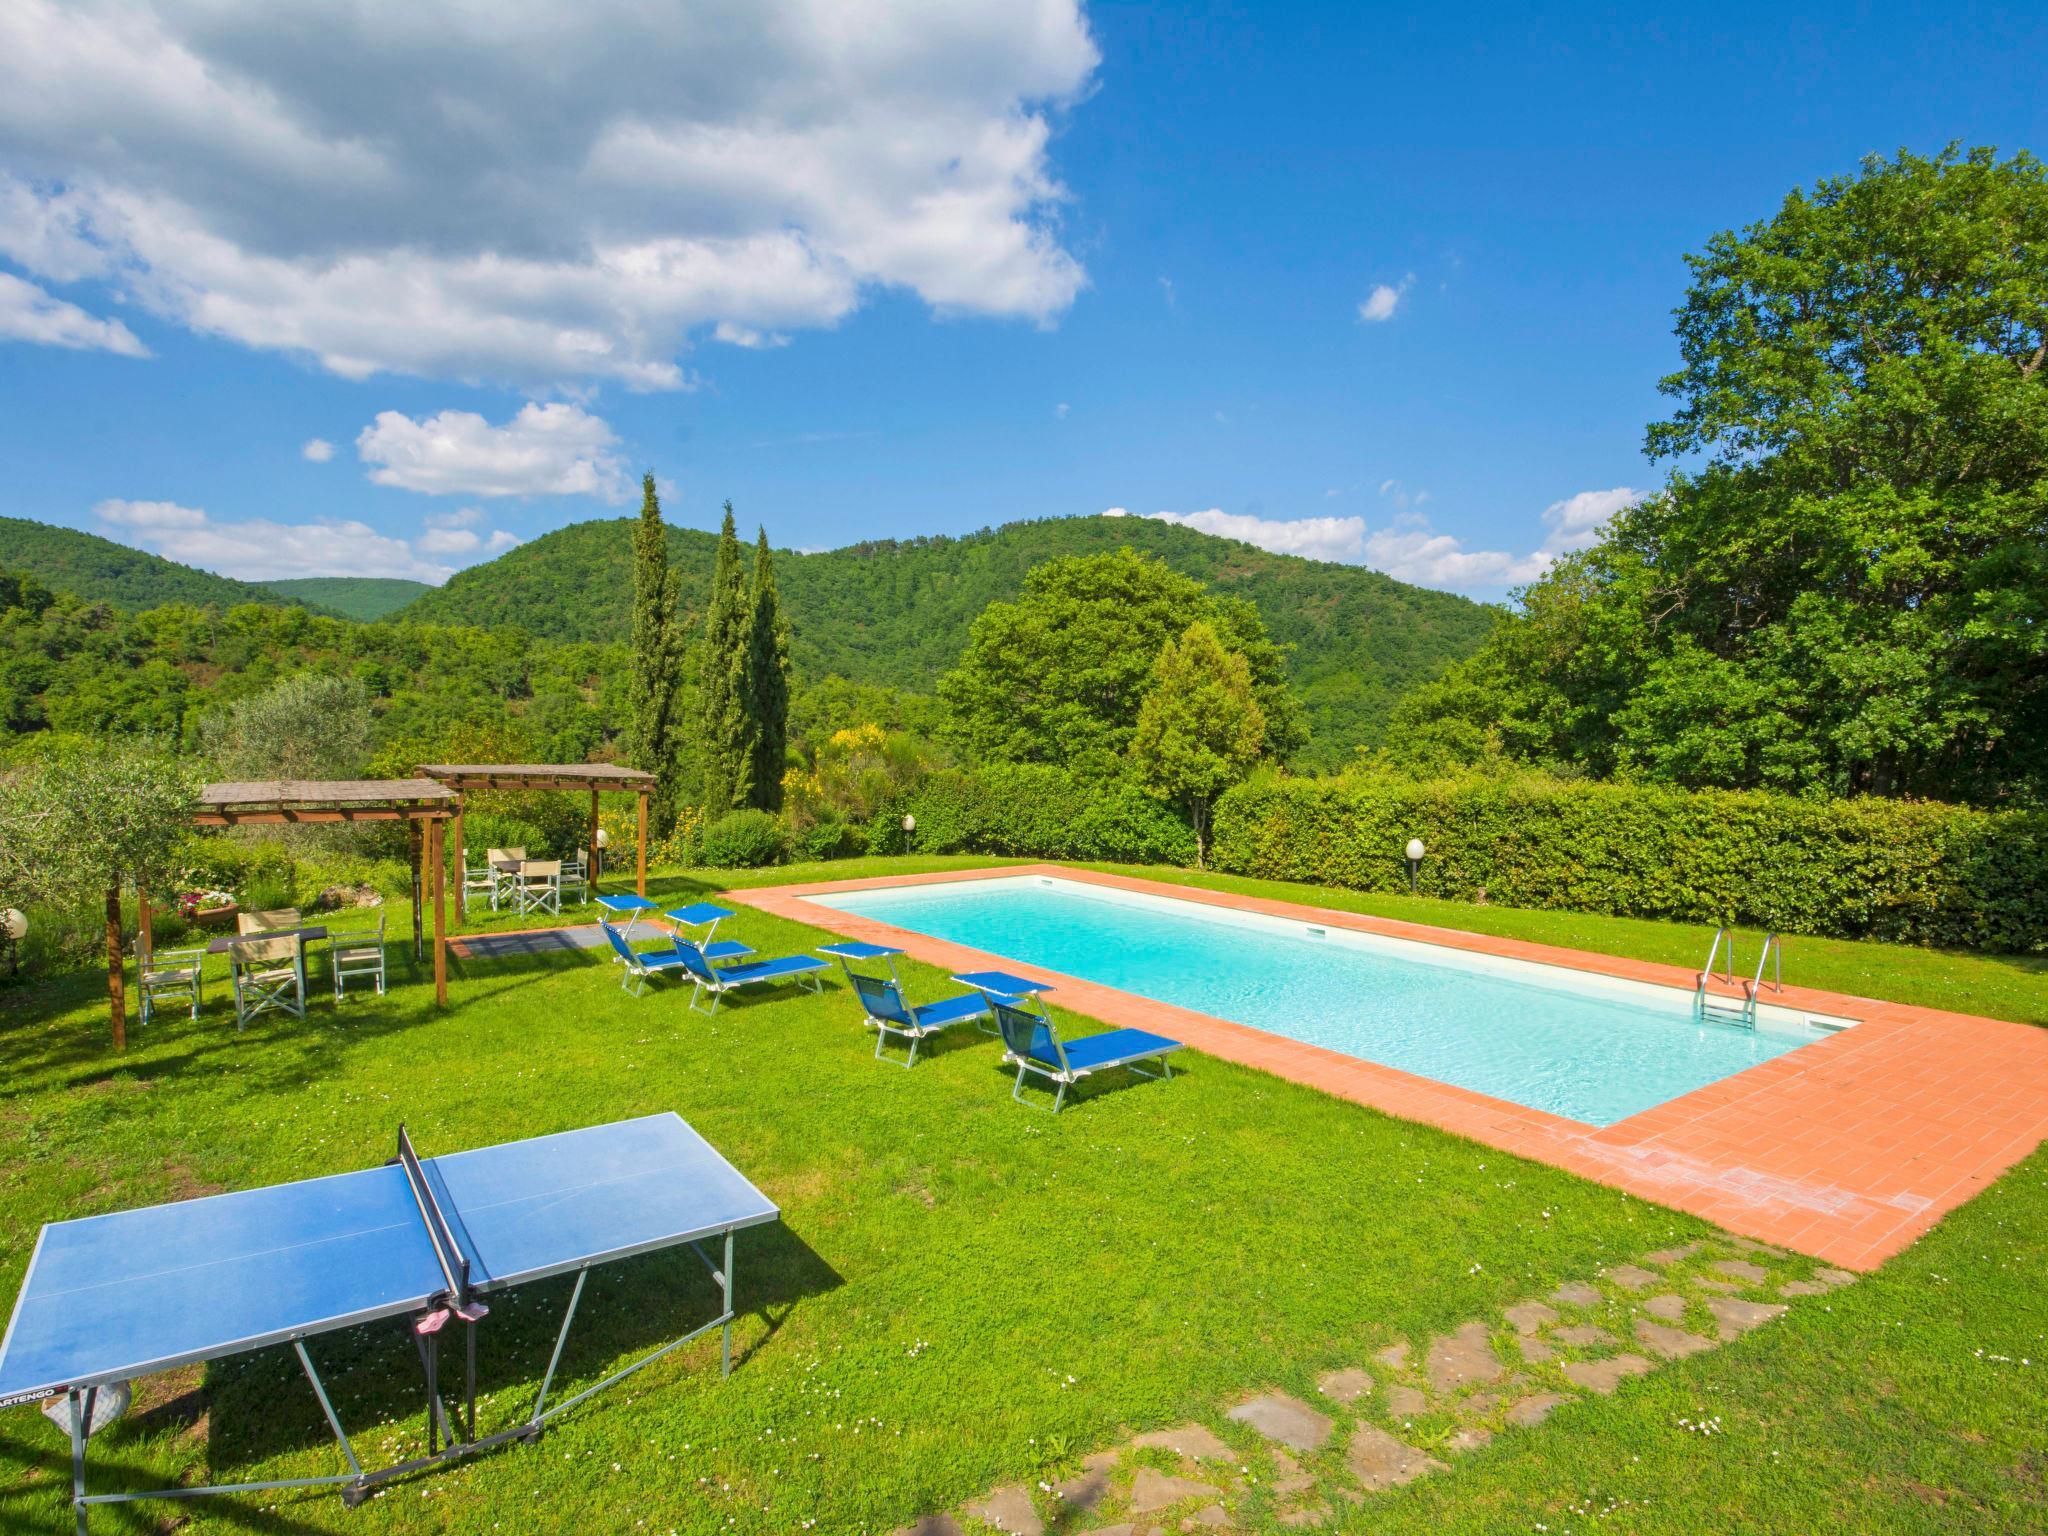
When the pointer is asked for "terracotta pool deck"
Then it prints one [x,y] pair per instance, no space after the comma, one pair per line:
[1846,1149]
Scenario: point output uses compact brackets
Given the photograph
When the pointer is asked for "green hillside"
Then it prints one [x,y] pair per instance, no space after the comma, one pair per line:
[896,612]
[99,570]
[353,597]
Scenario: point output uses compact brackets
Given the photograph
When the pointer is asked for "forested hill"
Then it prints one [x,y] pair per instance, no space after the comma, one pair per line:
[896,612]
[101,571]
[353,597]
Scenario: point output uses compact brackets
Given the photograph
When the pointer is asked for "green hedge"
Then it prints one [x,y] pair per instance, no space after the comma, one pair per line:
[1907,872]
[1034,811]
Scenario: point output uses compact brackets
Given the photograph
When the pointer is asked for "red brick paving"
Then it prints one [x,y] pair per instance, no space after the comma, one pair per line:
[1846,1149]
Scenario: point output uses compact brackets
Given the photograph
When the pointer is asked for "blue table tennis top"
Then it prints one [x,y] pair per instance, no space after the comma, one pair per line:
[114,1296]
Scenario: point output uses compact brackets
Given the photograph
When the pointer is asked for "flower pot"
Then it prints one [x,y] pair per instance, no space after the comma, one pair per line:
[216,917]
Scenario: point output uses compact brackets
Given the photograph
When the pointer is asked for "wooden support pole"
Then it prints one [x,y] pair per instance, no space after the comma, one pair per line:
[145,941]
[412,829]
[461,876]
[596,862]
[116,982]
[440,912]
[643,843]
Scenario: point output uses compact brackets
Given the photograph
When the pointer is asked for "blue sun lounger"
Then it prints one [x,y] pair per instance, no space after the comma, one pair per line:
[1034,1044]
[718,980]
[886,1009]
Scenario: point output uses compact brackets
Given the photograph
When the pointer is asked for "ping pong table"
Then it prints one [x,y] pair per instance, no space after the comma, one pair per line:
[111,1297]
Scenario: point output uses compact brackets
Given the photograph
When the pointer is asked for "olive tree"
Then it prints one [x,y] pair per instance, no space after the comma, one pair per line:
[79,824]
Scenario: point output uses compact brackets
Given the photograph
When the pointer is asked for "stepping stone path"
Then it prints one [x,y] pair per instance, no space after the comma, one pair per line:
[1671,1343]
[1743,1270]
[1193,1440]
[1462,1358]
[1603,1376]
[1298,1463]
[1345,1386]
[1380,1461]
[1286,1419]
[1009,1509]
[1634,1276]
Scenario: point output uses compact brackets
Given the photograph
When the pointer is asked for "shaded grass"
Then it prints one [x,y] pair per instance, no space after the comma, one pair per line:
[964,1293]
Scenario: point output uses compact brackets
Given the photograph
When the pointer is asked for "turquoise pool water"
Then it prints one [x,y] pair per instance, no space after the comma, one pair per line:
[1590,1048]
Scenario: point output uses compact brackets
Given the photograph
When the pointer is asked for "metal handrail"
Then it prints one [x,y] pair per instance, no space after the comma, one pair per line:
[1773,950]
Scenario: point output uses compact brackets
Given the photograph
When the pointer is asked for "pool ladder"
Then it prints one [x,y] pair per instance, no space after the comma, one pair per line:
[1724,1010]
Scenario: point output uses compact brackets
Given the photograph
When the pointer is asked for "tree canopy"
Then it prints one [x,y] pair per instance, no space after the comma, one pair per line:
[1059,675]
[1844,589]
[1199,727]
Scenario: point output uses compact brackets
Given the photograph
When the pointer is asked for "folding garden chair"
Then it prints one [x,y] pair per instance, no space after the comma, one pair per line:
[576,876]
[358,954]
[539,886]
[504,865]
[176,974]
[262,982]
[479,880]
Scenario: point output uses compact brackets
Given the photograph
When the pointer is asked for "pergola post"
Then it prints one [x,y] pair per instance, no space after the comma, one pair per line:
[116,982]
[596,862]
[642,887]
[440,877]
[415,841]
[461,880]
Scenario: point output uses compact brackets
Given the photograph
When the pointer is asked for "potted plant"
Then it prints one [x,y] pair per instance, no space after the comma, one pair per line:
[207,909]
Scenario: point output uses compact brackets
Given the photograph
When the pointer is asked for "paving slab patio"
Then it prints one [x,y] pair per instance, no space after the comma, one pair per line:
[1286,1419]
[1843,1149]
[1380,1461]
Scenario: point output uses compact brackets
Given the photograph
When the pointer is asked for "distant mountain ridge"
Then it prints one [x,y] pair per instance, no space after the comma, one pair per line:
[896,612]
[353,597]
[100,570]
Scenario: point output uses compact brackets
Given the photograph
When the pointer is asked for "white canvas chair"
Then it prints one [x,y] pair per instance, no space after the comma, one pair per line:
[358,954]
[174,974]
[505,884]
[482,882]
[539,886]
[261,981]
[576,875]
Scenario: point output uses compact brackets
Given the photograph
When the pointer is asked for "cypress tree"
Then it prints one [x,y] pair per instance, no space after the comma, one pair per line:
[657,655]
[767,681]
[727,724]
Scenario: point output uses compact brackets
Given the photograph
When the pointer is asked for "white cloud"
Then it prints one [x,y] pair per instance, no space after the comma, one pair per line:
[1409,548]
[1060,411]
[1577,521]
[1116,511]
[149,515]
[260,549]
[545,450]
[1313,538]
[536,193]
[29,313]
[317,450]
[1384,299]
[461,517]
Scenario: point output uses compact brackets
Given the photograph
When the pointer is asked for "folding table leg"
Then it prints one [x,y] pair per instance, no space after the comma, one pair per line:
[81,1409]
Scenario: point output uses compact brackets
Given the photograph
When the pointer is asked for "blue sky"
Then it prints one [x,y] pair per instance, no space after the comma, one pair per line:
[1354,281]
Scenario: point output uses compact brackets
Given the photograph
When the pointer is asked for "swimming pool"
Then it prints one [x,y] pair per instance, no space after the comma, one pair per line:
[1591,1048]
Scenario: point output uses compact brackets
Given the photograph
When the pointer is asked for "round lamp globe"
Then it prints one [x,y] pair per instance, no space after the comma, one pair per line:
[1415,848]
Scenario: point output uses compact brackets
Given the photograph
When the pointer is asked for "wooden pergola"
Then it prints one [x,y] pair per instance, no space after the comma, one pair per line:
[595,777]
[421,803]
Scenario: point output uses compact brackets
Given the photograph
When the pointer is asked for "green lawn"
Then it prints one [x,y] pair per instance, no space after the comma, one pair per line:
[963,1292]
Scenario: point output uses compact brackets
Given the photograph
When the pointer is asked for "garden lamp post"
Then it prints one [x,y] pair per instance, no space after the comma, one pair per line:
[1415,853]
[909,826]
[597,855]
